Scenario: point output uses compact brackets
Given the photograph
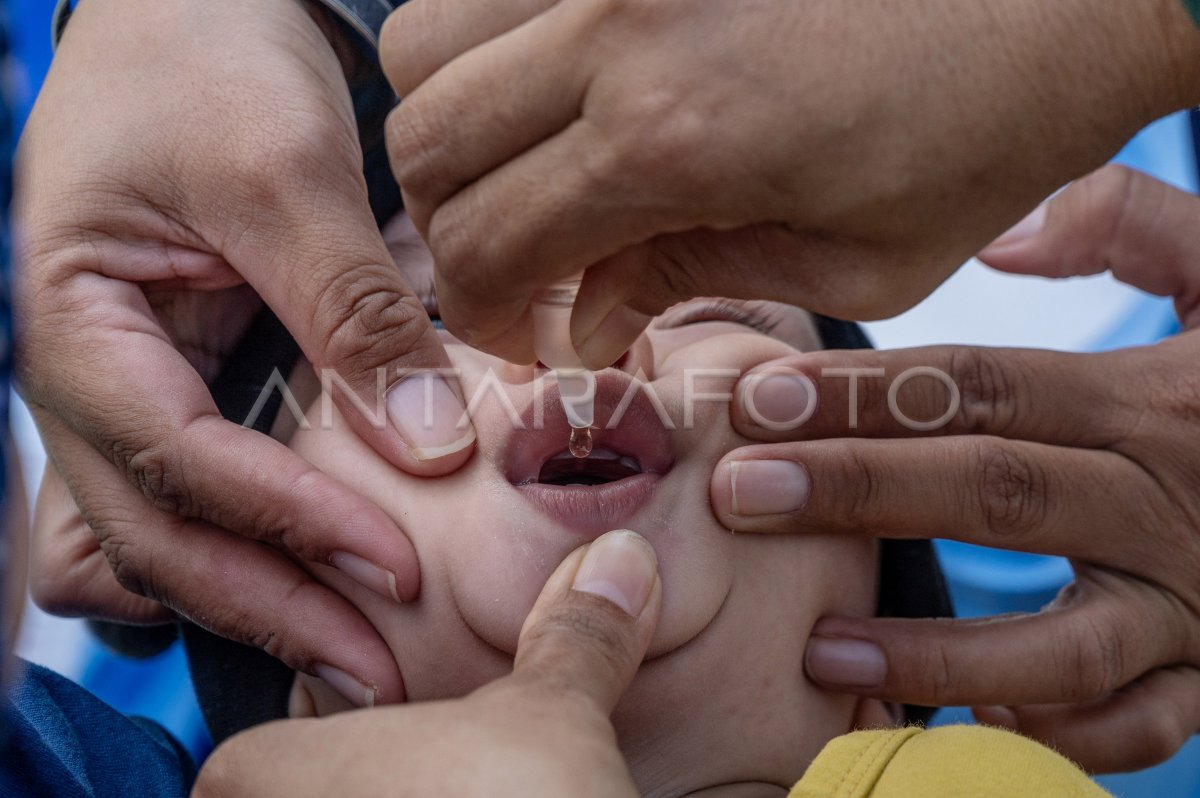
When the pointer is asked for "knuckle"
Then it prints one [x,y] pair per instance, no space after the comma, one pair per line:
[128,569]
[933,672]
[861,482]
[1094,662]
[279,523]
[414,146]
[675,263]
[940,676]
[988,395]
[665,128]
[1161,735]
[156,471]
[461,259]
[269,631]
[368,319]
[296,153]
[1171,394]
[1012,491]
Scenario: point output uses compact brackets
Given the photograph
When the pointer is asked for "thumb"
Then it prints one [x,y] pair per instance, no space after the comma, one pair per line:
[589,629]
[324,269]
[1118,220]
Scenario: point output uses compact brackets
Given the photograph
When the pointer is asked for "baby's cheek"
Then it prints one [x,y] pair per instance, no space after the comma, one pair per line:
[497,571]
[498,567]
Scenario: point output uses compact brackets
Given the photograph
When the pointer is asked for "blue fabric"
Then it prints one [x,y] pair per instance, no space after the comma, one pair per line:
[64,742]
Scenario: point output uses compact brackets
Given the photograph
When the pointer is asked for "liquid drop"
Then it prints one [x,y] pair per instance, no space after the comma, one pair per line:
[581,442]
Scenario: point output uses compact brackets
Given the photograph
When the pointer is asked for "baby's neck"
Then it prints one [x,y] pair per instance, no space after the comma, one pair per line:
[749,738]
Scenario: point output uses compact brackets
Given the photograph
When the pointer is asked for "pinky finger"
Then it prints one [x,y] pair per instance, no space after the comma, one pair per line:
[1136,727]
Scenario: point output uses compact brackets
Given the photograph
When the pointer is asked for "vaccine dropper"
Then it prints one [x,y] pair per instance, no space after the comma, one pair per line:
[551,309]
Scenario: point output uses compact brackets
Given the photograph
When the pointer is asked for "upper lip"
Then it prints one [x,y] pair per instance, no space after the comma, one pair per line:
[638,433]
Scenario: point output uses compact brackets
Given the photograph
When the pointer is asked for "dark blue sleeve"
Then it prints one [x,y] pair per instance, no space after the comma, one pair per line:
[59,740]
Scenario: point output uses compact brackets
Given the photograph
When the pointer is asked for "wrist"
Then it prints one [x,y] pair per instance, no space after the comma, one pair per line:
[1112,68]
[1162,54]
[1185,30]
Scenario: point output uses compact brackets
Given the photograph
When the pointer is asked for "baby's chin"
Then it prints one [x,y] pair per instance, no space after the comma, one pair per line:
[497,568]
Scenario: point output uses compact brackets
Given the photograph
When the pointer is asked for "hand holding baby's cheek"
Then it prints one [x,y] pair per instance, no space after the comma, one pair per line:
[1093,457]
[542,732]
[155,224]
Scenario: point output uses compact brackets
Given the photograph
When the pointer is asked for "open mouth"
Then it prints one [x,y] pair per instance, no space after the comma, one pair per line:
[600,467]
[602,491]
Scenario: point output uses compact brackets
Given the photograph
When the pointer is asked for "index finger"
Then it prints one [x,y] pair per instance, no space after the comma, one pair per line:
[422,36]
[983,490]
[1032,395]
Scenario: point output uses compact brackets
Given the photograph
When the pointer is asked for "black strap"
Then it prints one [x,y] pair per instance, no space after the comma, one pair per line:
[911,584]
[238,686]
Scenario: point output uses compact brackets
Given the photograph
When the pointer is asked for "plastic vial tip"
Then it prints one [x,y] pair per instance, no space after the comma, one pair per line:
[581,442]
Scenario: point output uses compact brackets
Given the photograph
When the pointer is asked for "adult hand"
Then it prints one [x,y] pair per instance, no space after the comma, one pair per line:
[843,156]
[183,160]
[1090,456]
[543,731]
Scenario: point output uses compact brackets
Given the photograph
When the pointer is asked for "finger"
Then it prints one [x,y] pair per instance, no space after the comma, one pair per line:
[1032,395]
[977,489]
[590,628]
[480,241]
[1116,219]
[277,757]
[452,130]
[205,467]
[1139,726]
[235,587]
[1098,639]
[421,37]
[720,255]
[317,258]
[69,575]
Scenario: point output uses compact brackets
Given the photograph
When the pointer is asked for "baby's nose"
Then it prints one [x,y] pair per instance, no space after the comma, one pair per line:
[638,357]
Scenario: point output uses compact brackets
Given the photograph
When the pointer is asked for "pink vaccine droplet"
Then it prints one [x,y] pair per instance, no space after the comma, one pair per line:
[581,442]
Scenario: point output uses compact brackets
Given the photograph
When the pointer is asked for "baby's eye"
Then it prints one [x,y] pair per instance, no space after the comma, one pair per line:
[698,311]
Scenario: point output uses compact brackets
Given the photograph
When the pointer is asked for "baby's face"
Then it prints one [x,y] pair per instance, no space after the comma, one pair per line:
[722,698]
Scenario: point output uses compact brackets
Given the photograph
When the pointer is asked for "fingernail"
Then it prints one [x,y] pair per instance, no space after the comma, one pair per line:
[430,416]
[612,337]
[839,662]
[354,691]
[366,573]
[1023,230]
[779,401]
[765,487]
[621,567]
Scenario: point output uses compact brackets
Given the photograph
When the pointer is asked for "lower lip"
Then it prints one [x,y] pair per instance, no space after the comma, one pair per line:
[592,509]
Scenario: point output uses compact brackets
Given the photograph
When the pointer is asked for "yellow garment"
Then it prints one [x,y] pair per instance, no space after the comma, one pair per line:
[949,761]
